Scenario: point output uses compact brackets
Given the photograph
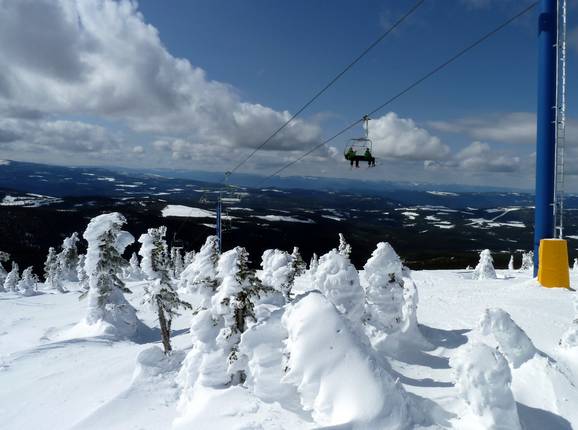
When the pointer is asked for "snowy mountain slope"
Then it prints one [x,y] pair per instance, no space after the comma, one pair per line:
[49,380]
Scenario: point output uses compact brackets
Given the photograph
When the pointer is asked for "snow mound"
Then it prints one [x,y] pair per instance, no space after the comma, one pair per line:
[483,380]
[336,373]
[186,211]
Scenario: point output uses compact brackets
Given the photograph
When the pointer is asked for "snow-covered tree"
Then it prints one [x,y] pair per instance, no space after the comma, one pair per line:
[575,265]
[177,263]
[133,271]
[382,281]
[344,247]
[234,303]
[11,281]
[483,380]
[68,258]
[107,306]
[314,263]
[81,274]
[527,261]
[52,273]
[511,264]
[338,280]
[278,271]
[299,266]
[485,268]
[27,285]
[200,276]
[160,292]
[188,259]
[3,275]
[4,257]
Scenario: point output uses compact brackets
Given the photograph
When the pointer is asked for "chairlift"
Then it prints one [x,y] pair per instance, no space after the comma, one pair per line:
[360,148]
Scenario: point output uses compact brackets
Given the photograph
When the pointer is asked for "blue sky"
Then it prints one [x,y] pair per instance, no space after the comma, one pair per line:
[197,84]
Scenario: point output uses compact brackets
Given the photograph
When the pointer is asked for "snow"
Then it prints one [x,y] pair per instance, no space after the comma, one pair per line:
[276,218]
[442,193]
[186,211]
[29,201]
[294,361]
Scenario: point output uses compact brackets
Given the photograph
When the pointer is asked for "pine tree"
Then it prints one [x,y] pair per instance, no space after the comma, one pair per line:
[511,264]
[81,275]
[52,274]
[297,263]
[134,272]
[27,285]
[485,268]
[11,282]
[200,276]
[177,263]
[278,271]
[3,275]
[575,266]
[160,292]
[344,247]
[189,255]
[314,263]
[527,261]
[107,305]
[68,258]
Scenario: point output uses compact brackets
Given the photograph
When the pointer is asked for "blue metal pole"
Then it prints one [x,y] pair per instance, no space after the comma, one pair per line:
[219,226]
[546,132]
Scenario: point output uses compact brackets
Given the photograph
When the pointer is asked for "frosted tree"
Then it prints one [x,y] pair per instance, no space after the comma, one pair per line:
[383,283]
[68,258]
[575,266]
[483,380]
[338,280]
[160,292]
[4,257]
[177,263]
[3,275]
[133,271]
[485,268]
[52,274]
[200,276]
[11,281]
[344,247]
[297,263]
[107,307]
[527,261]
[234,302]
[81,274]
[511,264]
[279,271]
[27,285]
[188,259]
[314,263]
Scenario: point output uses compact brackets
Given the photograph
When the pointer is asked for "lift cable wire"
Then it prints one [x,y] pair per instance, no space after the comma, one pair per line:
[329,84]
[408,88]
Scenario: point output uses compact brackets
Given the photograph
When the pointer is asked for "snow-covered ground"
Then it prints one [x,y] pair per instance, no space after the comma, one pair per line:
[50,379]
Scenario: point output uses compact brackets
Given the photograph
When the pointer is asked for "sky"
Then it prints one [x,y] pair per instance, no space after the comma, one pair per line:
[198,84]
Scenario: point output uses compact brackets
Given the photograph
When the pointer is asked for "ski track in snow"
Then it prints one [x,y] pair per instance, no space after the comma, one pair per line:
[48,381]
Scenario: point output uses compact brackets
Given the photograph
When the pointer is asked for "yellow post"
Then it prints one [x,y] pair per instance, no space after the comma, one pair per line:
[553,271]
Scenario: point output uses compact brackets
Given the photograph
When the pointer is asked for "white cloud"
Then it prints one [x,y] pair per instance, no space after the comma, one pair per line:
[401,138]
[100,58]
[478,157]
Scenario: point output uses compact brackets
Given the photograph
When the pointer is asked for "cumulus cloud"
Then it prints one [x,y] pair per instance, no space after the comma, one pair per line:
[101,58]
[401,138]
[478,157]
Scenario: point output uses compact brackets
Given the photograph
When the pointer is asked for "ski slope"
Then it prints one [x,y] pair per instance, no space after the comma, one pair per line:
[50,378]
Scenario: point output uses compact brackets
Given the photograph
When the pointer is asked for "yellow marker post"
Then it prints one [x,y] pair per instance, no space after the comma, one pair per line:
[553,270]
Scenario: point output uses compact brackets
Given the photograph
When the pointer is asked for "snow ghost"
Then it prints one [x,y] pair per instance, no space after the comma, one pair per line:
[485,268]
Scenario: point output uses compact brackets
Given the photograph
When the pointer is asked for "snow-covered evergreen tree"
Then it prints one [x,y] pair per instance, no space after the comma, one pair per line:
[383,283]
[188,259]
[485,268]
[68,258]
[3,275]
[52,274]
[81,274]
[299,266]
[177,263]
[133,271]
[108,309]
[234,303]
[338,280]
[11,281]
[279,271]
[527,261]
[511,264]
[160,292]
[27,285]
[313,263]
[344,247]
[575,265]
[200,276]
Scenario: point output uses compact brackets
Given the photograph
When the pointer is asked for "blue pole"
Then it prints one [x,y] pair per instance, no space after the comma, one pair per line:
[219,227]
[546,134]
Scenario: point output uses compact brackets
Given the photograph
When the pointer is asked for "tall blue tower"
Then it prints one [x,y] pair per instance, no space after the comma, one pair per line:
[546,126]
